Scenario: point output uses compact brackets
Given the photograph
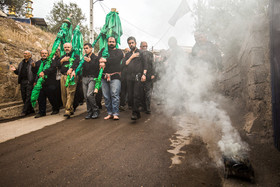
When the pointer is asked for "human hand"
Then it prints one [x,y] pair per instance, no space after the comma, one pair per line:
[102,65]
[42,74]
[12,68]
[143,78]
[73,74]
[102,60]
[87,59]
[65,59]
[69,71]
[134,55]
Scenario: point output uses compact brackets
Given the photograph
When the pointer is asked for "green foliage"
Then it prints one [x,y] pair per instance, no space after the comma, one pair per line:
[61,11]
[18,4]
[225,21]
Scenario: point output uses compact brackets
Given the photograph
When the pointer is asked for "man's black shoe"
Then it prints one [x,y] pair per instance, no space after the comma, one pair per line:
[23,114]
[95,115]
[122,108]
[31,112]
[55,112]
[135,116]
[88,116]
[148,112]
[39,115]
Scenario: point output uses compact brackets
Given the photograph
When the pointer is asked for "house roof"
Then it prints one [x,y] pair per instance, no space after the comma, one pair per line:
[2,14]
[38,21]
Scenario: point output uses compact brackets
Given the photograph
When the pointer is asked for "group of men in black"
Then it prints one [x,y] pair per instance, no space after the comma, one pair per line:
[127,79]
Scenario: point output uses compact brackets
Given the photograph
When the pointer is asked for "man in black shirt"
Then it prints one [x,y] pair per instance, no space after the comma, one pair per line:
[49,86]
[26,81]
[56,62]
[206,51]
[148,84]
[90,71]
[136,74]
[68,93]
[111,83]
[123,95]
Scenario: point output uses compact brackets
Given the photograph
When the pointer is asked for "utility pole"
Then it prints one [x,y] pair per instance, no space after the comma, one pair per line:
[91,16]
[91,22]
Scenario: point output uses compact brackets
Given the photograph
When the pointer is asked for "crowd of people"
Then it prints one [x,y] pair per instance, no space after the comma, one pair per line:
[127,79]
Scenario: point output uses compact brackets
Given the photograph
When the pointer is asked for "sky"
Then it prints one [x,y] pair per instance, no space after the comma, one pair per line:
[146,20]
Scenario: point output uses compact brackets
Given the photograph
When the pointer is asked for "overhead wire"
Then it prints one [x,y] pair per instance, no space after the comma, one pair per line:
[102,8]
[106,14]
[162,36]
[132,23]
[102,4]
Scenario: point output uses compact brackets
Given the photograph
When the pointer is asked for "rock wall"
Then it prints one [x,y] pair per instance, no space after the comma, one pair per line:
[246,78]
[15,38]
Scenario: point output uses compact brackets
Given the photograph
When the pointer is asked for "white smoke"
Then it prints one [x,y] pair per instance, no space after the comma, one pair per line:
[187,89]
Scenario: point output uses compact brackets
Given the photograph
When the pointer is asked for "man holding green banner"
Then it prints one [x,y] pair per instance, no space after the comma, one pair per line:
[48,87]
[68,66]
[90,71]
[111,83]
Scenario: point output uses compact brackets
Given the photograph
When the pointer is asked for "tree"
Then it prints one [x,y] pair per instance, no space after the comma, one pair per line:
[19,6]
[225,21]
[61,11]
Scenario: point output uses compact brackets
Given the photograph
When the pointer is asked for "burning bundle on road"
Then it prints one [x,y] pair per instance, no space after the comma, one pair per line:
[235,166]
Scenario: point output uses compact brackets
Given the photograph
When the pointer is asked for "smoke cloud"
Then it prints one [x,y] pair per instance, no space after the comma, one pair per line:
[187,89]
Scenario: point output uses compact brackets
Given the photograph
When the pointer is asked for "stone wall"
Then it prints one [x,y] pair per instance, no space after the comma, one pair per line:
[246,78]
[15,38]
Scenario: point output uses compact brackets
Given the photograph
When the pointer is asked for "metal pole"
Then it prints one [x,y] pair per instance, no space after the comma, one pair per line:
[91,22]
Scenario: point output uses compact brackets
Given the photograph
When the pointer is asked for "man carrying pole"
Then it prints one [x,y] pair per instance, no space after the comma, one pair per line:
[68,66]
[111,83]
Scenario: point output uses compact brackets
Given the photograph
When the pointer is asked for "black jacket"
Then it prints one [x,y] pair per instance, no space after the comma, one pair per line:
[30,75]
[113,64]
[74,65]
[91,68]
[136,65]
[149,58]
[50,73]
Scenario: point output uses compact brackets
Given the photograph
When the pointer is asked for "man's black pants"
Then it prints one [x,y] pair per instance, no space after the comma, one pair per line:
[48,91]
[148,88]
[124,91]
[79,94]
[134,89]
[26,90]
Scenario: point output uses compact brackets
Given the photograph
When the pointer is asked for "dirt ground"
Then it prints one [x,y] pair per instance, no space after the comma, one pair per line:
[263,155]
[79,152]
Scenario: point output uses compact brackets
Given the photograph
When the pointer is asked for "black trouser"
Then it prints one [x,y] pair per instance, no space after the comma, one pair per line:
[134,94]
[148,88]
[26,90]
[58,93]
[98,98]
[124,92]
[79,94]
[48,91]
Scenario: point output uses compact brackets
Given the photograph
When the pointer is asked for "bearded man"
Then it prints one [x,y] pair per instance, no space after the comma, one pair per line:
[111,83]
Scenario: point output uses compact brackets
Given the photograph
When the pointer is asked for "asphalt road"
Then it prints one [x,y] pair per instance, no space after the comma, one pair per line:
[79,152]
